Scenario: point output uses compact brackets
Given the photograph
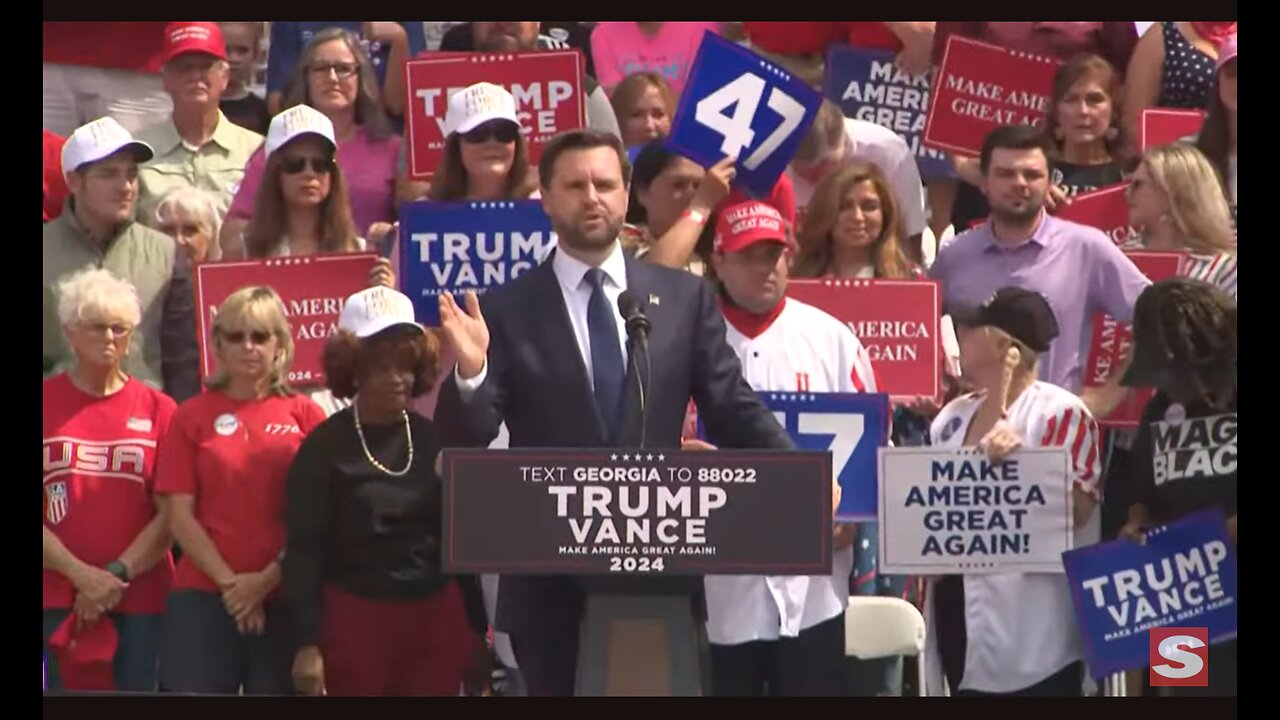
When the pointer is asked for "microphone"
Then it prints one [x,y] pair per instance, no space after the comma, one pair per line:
[633,314]
[638,325]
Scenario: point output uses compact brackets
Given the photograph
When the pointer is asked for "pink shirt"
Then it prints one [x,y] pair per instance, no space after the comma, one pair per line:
[368,166]
[619,49]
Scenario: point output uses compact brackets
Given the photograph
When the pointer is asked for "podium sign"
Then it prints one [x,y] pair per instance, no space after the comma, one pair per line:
[649,513]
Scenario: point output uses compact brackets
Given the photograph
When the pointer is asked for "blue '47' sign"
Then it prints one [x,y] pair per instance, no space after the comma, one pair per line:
[736,103]
[853,426]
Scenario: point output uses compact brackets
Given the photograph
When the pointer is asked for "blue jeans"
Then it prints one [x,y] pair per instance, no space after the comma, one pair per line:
[203,653]
[135,661]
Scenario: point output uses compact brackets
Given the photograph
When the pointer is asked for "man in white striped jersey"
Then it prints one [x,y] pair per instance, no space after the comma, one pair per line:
[781,636]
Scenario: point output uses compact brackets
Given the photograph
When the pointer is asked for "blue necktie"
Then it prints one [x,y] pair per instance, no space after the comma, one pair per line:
[607,371]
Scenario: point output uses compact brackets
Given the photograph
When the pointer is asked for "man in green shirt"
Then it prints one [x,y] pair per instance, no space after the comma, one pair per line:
[197,146]
[97,229]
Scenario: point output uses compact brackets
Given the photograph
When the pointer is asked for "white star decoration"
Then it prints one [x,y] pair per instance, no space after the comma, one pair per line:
[626,458]
[614,457]
[650,457]
[661,457]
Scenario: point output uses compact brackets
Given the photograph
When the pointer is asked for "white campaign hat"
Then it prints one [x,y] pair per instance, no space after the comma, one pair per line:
[375,309]
[101,138]
[298,120]
[476,105]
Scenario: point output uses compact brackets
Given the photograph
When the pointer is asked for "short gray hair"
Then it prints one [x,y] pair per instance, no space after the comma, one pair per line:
[194,203]
[96,290]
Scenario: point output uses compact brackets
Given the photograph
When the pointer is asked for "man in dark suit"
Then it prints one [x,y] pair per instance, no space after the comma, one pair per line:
[548,356]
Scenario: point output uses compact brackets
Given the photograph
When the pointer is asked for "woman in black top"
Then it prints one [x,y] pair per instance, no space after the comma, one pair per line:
[1185,453]
[374,614]
[1084,122]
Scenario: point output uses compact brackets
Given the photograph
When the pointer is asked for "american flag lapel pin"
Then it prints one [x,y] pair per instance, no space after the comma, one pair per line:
[654,299]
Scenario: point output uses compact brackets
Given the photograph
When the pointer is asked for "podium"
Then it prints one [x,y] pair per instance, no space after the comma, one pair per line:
[638,530]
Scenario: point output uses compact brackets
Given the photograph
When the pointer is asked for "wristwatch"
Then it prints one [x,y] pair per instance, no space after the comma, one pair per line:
[119,569]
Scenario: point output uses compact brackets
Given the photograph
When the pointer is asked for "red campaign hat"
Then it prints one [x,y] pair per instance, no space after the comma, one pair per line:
[181,38]
[85,659]
[745,224]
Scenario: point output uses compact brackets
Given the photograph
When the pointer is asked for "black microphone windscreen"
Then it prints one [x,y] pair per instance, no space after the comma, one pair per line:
[628,304]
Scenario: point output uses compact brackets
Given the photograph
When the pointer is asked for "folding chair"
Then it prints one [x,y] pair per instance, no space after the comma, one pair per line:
[876,627]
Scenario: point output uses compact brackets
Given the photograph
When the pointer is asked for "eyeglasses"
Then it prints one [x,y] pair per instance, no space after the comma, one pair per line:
[295,165]
[116,329]
[341,69]
[235,337]
[503,131]
[183,230]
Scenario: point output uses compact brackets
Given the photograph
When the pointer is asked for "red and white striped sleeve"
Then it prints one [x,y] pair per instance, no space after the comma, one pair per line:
[862,374]
[1074,428]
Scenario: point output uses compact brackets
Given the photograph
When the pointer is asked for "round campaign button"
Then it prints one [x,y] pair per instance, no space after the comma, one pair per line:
[1175,414]
[226,424]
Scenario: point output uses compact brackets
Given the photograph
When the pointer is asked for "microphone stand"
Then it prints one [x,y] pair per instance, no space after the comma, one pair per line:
[638,336]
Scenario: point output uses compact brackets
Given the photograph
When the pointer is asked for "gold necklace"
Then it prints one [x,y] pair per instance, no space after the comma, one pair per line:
[369,455]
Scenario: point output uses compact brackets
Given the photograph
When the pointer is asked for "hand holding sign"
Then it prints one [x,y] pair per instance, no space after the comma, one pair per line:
[739,104]
[1001,441]
[715,186]
[382,274]
[466,331]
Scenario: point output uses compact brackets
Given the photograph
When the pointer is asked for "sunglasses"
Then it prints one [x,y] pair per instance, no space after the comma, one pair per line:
[503,132]
[116,329]
[295,165]
[235,337]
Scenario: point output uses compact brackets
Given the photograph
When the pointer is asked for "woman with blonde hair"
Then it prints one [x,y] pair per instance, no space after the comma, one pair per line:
[1012,633]
[1176,198]
[645,106]
[190,216]
[223,465]
[106,538]
[853,229]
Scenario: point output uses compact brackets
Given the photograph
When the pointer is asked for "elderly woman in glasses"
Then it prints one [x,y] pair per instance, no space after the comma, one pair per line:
[190,216]
[106,540]
[223,465]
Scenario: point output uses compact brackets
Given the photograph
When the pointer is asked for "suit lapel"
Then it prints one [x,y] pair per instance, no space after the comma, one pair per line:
[555,330]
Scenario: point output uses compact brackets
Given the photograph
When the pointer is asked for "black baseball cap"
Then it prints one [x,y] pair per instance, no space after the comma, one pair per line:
[1024,314]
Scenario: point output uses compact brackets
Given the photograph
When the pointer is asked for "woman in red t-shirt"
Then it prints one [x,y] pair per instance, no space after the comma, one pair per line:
[223,466]
[106,543]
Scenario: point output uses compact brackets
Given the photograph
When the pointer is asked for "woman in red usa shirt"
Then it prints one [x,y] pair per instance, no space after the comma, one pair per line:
[223,467]
[106,543]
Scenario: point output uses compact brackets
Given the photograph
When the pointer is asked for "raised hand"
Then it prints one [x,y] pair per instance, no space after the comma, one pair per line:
[466,331]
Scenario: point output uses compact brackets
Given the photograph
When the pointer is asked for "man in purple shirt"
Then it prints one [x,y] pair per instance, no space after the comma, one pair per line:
[1077,268]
